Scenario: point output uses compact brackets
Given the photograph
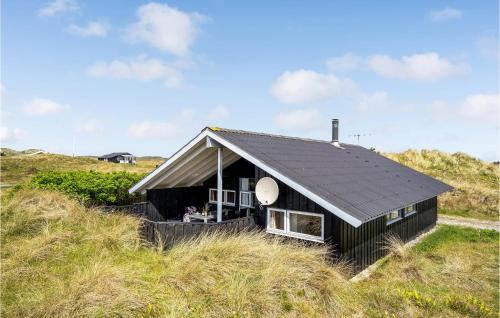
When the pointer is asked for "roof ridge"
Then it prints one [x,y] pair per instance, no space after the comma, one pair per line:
[240,131]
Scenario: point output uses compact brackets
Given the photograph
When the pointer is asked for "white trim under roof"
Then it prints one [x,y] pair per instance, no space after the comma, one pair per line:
[294,185]
[140,186]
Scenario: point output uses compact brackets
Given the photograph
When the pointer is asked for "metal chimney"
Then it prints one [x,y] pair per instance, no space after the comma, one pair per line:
[335,133]
[335,130]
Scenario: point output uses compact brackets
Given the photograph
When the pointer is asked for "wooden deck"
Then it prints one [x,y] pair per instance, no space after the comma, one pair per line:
[155,228]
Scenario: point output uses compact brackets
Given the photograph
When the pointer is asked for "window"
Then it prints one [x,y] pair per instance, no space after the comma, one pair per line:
[304,225]
[409,210]
[247,199]
[229,197]
[212,195]
[247,184]
[393,216]
[276,220]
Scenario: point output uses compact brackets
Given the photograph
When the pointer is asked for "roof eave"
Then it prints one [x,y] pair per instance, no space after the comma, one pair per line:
[210,132]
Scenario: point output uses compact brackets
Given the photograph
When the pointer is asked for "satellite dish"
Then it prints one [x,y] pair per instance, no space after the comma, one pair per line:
[266,191]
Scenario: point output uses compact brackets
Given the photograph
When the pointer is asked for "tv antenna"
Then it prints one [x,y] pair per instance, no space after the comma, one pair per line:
[358,135]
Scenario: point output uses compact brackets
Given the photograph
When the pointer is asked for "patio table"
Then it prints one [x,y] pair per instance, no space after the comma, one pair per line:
[205,218]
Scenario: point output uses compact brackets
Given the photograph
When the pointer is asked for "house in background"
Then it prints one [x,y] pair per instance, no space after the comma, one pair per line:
[326,191]
[118,157]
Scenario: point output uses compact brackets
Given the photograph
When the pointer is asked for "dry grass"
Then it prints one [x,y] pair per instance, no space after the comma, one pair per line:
[20,168]
[476,182]
[396,247]
[61,259]
[451,266]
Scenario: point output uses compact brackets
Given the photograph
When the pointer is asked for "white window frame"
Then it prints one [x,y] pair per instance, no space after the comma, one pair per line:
[210,195]
[289,233]
[251,193]
[399,218]
[412,211]
[225,192]
[276,231]
[224,197]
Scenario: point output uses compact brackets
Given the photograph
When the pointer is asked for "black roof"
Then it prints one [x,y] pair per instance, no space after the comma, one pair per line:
[359,181]
[115,154]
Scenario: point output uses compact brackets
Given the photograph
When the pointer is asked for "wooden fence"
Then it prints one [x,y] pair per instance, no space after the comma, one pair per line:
[172,232]
[155,227]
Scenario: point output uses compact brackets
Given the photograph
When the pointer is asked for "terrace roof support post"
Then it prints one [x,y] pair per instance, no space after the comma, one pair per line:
[219,184]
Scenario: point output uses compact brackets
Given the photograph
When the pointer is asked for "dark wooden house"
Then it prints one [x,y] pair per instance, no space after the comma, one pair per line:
[329,192]
[118,157]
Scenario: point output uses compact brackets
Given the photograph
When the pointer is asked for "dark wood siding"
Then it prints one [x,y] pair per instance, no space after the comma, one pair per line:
[365,244]
[292,200]
[362,246]
[170,203]
[231,178]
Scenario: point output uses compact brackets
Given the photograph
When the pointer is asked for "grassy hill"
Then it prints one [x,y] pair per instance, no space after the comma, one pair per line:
[59,258]
[476,182]
[18,168]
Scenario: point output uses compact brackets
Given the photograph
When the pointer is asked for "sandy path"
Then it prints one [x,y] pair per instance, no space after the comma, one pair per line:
[478,224]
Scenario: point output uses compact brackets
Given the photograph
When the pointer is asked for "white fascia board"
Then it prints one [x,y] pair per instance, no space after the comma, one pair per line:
[294,185]
[141,185]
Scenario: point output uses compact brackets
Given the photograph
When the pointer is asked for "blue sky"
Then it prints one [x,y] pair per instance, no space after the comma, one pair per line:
[145,77]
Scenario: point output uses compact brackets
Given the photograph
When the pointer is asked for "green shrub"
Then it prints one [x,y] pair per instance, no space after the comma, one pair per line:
[91,187]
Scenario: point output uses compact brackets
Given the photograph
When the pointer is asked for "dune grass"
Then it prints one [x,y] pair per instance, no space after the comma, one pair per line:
[20,168]
[62,259]
[453,272]
[476,182]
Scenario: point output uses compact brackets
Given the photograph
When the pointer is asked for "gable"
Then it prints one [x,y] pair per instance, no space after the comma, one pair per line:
[354,183]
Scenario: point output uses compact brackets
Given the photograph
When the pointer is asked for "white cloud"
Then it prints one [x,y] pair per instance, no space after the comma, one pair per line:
[43,106]
[220,112]
[143,69]
[163,130]
[373,103]
[93,28]
[444,15]
[11,135]
[419,67]
[347,62]
[487,46]
[480,108]
[89,126]
[165,28]
[302,119]
[304,86]
[58,6]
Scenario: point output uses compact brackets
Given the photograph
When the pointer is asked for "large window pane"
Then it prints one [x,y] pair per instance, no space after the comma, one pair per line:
[230,197]
[305,224]
[393,216]
[246,199]
[276,220]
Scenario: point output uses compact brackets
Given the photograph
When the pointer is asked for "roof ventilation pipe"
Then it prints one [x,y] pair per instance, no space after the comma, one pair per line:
[335,133]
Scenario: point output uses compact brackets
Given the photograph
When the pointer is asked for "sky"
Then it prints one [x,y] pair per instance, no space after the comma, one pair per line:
[94,77]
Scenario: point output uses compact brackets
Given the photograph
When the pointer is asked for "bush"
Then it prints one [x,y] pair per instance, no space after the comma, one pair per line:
[91,187]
